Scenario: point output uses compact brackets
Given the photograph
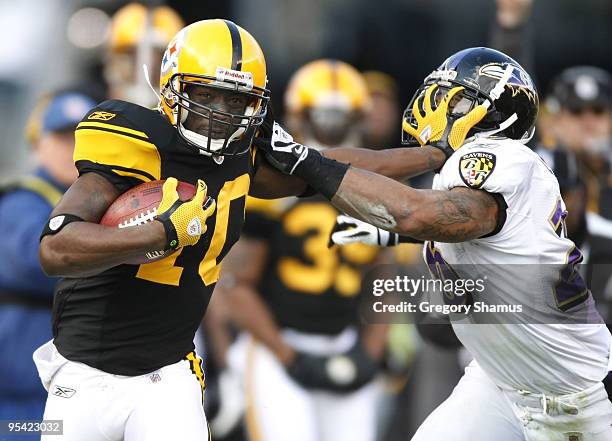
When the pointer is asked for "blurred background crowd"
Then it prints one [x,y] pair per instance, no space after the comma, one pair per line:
[60,57]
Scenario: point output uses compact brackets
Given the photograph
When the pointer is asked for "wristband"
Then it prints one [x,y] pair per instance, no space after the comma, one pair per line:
[55,224]
[323,174]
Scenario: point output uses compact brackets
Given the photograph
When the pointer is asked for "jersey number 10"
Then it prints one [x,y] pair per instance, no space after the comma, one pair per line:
[164,271]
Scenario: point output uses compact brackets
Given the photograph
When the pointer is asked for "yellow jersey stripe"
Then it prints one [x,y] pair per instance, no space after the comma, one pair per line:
[195,364]
[123,153]
[93,125]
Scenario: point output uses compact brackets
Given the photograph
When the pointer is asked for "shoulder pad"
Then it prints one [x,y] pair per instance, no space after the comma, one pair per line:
[116,114]
[124,138]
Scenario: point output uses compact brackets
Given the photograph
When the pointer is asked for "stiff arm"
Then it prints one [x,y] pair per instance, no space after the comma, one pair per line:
[400,163]
[454,215]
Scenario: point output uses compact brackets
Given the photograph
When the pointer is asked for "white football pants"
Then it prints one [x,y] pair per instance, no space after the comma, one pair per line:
[98,406]
[279,409]
[478,410]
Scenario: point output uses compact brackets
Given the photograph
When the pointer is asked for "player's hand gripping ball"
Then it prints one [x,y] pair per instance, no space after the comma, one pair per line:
[139,205]
[184,222]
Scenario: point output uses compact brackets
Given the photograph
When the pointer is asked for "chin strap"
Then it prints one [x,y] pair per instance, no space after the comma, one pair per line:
[198,139]
[145,69]
[503,126]
[495,94]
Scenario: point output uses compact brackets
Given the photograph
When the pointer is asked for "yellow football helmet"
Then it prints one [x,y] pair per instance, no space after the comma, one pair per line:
[326,101]
[210,59]
[139,35]
[131,23]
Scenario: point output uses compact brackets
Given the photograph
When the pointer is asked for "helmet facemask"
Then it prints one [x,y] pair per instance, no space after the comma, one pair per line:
[216,117]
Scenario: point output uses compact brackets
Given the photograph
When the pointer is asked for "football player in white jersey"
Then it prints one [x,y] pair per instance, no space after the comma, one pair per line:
[537,375]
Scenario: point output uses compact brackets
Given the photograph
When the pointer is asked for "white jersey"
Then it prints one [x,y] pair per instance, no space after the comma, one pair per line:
[529,261]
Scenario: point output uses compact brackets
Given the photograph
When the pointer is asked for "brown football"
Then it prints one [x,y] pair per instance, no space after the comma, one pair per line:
[138,206]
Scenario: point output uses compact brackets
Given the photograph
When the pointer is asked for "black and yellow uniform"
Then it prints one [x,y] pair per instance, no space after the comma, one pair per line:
[134,319]
[307,286]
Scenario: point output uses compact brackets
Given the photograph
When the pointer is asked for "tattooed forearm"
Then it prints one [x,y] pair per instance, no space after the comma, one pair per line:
[458,215]
[375,199]
[373,212]
[447,216]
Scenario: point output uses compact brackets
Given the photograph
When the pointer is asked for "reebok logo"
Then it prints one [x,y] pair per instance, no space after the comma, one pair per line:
[63,392]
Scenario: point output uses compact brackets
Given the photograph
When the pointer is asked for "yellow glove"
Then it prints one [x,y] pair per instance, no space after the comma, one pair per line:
[437,128]
[184,222]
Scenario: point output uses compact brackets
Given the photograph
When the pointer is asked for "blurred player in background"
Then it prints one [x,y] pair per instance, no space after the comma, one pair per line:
[384,114]
[26,293]
[326,103]
[580,105]
[308,364]
[139,35]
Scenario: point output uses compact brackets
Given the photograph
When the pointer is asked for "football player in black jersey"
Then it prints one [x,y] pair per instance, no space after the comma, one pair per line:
[121,364]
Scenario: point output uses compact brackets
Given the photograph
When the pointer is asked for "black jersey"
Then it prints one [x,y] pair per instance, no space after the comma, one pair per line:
[134,319]
[307,286]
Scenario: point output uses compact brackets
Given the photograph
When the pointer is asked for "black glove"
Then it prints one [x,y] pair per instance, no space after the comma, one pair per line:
[292,158]
[339,373]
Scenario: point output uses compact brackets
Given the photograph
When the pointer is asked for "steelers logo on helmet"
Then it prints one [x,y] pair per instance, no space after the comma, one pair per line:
[170,58]
[476,167]
[485,82]
[213,87]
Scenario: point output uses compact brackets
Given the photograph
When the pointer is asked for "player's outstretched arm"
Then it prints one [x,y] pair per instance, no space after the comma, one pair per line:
[454,215]
[447,216]
[87,248]
[398,163]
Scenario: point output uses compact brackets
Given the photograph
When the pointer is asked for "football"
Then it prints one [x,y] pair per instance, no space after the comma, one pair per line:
[138,206]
